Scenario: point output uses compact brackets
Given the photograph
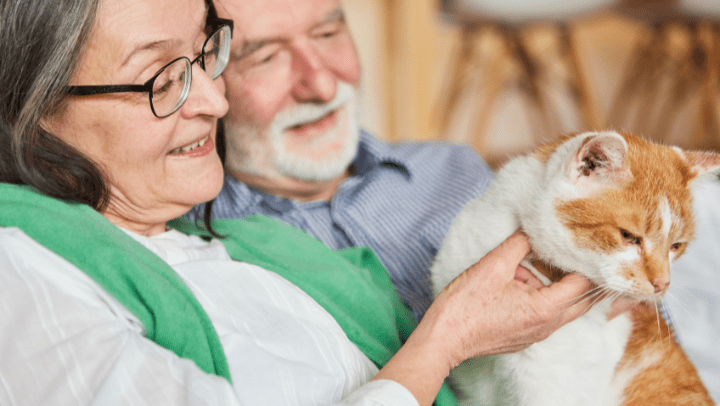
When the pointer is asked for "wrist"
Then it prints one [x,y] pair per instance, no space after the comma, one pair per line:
[440,337]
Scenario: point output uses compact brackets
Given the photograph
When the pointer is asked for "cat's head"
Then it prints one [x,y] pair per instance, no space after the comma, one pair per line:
[622,207]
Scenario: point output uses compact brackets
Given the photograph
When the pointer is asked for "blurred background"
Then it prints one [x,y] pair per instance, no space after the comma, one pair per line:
[504,75]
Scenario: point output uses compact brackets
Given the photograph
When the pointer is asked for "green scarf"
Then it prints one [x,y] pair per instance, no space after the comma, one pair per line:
[350,284]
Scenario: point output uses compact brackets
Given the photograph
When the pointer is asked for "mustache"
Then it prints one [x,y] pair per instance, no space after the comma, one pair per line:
[309,112]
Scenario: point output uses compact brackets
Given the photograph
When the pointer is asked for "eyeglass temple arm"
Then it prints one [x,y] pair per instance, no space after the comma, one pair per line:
[91,90]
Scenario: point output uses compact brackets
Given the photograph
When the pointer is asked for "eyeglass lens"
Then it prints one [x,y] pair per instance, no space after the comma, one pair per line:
[172,84]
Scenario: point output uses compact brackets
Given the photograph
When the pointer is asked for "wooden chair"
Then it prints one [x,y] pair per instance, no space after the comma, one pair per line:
[482,72]
[672,71]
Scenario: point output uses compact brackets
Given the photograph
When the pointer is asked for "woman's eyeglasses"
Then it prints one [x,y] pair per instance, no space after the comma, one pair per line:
[170,86]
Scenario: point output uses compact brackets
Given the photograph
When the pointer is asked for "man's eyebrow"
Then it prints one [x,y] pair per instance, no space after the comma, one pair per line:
[337,15]
[250,47]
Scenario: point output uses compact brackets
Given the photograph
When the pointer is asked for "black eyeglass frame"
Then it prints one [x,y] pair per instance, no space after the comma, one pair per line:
[215,23]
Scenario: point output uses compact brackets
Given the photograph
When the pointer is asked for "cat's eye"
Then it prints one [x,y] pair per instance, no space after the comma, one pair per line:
[629,237]
[676,246]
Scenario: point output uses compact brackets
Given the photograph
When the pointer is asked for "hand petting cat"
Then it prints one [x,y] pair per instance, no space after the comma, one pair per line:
[610,206]
[486,311]
[515,314]
[618,307]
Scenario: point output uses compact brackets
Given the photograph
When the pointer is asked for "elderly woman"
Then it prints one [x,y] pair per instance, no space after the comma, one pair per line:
[109,111]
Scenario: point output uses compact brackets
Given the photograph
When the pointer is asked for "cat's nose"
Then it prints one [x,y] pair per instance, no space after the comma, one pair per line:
[660,285]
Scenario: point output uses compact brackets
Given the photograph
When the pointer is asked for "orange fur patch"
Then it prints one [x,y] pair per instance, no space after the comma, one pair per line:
[636,204]
[551,272]
[666,376]
[657,369]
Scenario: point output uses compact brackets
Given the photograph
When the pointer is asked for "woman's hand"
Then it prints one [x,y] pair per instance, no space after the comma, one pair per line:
[484,311]
[489,311]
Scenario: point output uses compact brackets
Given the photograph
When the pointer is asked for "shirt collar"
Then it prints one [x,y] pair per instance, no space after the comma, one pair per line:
[373,152]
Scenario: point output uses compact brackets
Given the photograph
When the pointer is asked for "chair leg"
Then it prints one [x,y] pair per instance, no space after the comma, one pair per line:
[458,76]
[642,57]
[579,86]
[492,87]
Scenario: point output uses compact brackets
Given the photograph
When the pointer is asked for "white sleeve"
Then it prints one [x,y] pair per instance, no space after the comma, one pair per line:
[380,392]
[65,341]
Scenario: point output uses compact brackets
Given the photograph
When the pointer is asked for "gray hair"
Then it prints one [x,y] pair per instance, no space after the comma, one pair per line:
[41,44]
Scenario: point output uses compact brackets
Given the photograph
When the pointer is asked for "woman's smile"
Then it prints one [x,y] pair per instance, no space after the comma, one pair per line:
[195,148]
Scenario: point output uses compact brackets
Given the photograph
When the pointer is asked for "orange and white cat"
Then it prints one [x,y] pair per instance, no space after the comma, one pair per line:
[616,209]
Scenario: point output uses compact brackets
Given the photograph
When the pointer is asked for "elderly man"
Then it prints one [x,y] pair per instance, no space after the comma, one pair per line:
[294,149]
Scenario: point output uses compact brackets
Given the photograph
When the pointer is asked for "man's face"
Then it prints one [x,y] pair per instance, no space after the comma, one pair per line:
[292,86]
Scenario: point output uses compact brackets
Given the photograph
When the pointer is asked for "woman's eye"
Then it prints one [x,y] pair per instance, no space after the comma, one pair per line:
[161,88]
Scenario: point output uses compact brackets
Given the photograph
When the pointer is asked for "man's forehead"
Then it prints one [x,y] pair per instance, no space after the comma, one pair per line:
[266,19]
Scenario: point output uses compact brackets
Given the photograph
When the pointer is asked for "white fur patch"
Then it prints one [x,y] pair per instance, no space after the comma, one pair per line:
[576,365]
[666,216]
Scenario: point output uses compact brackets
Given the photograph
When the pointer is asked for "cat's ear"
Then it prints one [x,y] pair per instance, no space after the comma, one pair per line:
[702,163]
[601,157]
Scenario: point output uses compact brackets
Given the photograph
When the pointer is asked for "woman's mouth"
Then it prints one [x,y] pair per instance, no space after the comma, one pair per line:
[189,147]
[196,149]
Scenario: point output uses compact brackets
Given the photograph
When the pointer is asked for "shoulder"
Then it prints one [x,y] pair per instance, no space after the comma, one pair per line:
[16,246]
[26,267]
[435,154]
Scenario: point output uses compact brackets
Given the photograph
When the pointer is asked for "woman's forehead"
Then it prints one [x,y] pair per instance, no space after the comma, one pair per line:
[128,27]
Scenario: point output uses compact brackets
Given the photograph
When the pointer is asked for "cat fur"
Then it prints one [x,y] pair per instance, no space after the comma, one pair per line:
[574,198]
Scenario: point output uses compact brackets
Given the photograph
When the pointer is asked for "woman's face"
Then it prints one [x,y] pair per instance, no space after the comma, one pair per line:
[151,180]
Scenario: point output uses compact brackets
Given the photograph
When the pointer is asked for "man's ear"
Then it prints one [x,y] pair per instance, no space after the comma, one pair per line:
[601,157]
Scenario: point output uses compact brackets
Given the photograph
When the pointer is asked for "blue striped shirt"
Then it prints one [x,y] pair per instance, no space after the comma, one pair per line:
[400,202]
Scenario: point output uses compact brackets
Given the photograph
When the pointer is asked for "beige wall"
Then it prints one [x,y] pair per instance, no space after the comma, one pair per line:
[406,51]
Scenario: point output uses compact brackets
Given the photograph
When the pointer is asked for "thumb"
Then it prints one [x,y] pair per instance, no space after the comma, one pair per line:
[568,293]
[511,251]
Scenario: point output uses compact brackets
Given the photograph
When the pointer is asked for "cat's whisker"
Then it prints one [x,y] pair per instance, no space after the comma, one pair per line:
[585,296]
[600,297]
[670,330]
[659,333]
[685,289]
[597,296]
[683,305]
[582,299]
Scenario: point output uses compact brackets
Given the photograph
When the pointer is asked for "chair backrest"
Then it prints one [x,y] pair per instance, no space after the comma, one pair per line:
[519,11]
[655,11]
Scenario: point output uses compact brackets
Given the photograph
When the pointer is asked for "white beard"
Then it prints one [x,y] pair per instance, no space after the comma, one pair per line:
[255,151]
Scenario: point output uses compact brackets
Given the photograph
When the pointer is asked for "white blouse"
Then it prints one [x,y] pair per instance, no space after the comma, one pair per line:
[65,341]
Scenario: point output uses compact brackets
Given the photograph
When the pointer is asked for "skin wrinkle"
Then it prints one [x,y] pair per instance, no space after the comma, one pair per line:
[289,53]
[148,186]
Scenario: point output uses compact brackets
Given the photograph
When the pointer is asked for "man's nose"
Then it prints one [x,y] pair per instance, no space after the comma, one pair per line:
[313,80]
